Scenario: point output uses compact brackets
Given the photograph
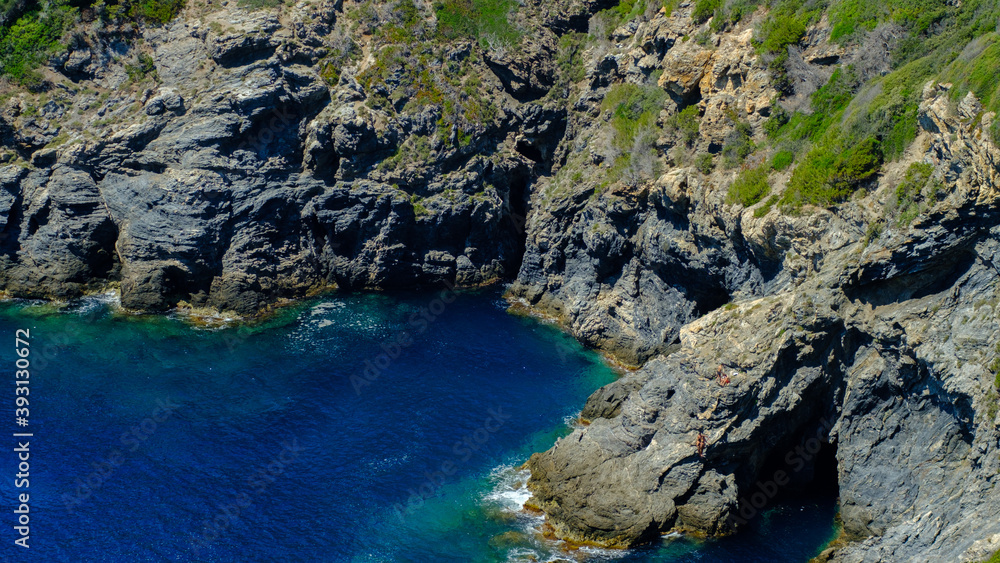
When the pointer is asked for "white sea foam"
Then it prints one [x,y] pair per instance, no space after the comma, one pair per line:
[206,319]
[88,304]
[509,493]
[326,307]
[573,420]
[510,490]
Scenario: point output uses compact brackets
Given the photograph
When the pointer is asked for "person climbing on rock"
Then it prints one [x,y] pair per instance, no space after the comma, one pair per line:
[700,443]
[720,375]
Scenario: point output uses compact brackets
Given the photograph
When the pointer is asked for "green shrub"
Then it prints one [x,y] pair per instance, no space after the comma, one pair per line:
[330,73]
[253,5]
[31,39]
[738,143]
[484,20]
[155,12]
[749,187]
[143,67]
[851,16]
[569,58]
[856,165]
[996,556]
[669,6]
[704,9]
[766,208]
[162,11]
[634,110]
[782,160]
[829,174]
[419,209]
[780,31]
[778,118]
[628,10]
[703,162]
[686,124]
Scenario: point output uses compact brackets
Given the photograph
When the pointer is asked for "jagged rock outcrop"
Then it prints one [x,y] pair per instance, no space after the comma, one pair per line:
[242,176]
[626,267]
[881,349]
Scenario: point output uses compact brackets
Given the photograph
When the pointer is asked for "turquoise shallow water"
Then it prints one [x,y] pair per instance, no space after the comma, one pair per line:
[353,428]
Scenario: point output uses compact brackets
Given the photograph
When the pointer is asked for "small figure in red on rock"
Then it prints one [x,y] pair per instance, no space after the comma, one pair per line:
[720,375]
[700,443]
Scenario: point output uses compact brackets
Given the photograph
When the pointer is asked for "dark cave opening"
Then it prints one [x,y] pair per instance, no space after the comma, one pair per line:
[800,470]
[529,151]
[708,299]
[517,199]
[940,274]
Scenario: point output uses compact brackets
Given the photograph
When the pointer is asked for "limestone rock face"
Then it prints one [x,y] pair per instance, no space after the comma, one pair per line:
[879,348]
[626,267]
[240,175]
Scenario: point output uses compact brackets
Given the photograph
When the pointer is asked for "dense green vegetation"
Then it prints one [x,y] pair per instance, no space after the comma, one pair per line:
[782,160]
[831,172]
[750,187]
[34,30]
[31,39]
[704,163]
[781,30]
[996,556]
[634,110]
[685,124]
[627,10]
[669,6]
[852,16]
[147,11]
[259,4]
[569,58]
[487,21]
[704,9]
[862,118]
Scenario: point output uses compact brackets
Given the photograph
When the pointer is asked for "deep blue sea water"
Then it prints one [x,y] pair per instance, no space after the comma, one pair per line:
[350,428]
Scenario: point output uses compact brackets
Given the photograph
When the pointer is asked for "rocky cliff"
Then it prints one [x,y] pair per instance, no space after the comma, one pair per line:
[612,161]
[872,334]
[217,161]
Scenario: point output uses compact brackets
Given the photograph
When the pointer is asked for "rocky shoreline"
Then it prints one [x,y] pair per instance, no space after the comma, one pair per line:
[236,170]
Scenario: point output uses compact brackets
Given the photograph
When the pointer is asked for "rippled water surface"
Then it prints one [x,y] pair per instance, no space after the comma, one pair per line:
[354,428]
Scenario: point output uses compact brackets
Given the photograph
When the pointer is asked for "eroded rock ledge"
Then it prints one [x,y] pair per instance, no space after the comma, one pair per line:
[880,345]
